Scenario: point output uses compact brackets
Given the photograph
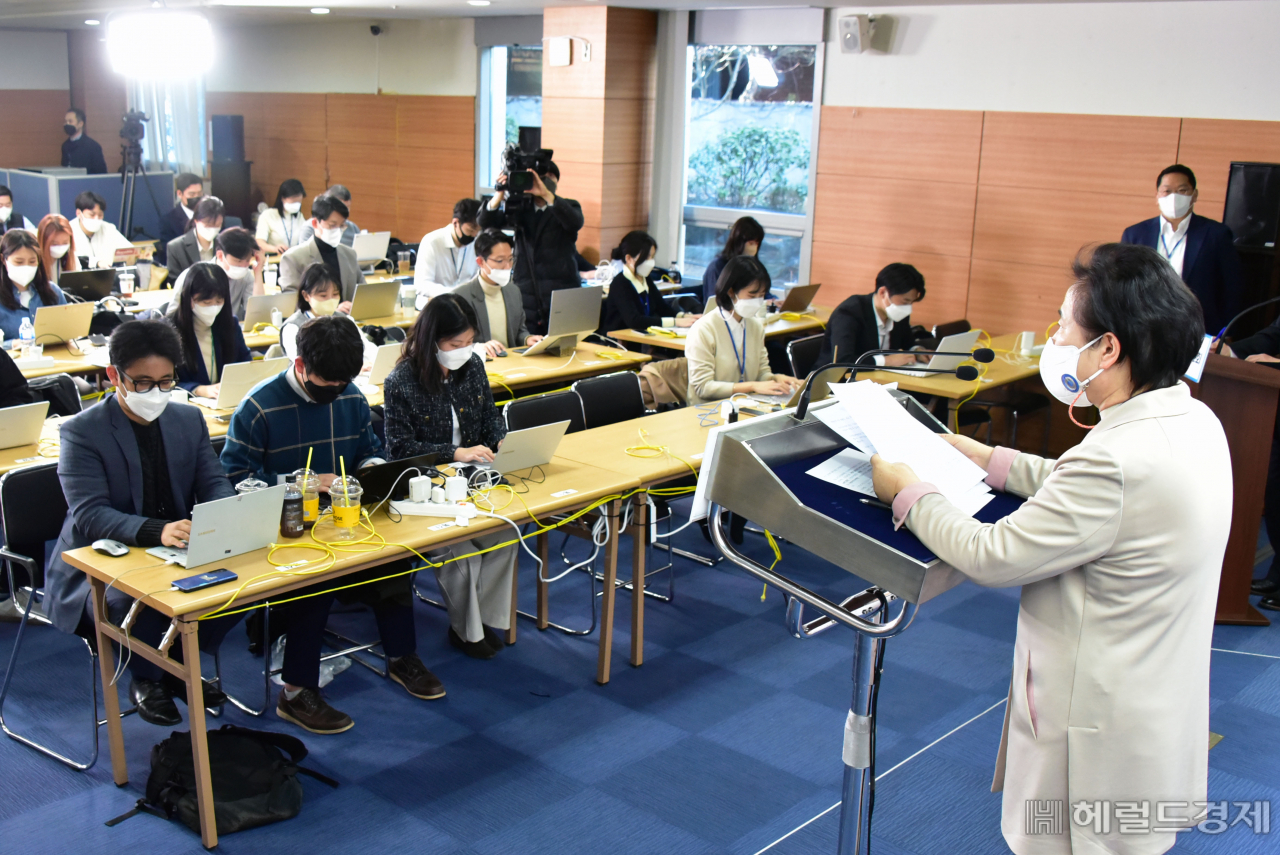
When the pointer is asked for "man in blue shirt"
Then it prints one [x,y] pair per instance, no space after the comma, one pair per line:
[80,150]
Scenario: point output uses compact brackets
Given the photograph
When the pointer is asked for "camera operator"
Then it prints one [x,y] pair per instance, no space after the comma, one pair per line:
[546,228]
[80,150]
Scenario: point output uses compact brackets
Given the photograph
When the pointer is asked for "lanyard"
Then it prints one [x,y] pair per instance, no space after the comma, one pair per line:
[288,232]
[741,360]
[457,262]
[1168,256]
[645,298]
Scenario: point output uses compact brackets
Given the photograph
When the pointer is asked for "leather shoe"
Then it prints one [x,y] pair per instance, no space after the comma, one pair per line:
[213,696]
[493,638]
[154,702]
[474,649]
[1271,603]
[1264,587]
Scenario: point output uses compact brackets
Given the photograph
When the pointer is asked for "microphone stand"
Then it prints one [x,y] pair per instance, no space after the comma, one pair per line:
[806,394]
[1223,334]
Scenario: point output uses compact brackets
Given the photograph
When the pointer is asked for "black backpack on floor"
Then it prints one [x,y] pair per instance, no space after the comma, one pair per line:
[254,783]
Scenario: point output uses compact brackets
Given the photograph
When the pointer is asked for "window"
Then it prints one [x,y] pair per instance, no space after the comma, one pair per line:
[749,131]
[510,98]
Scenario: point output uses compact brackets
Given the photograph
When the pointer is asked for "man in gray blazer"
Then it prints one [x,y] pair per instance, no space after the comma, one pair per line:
[131,469]
[498,303]
[328,218]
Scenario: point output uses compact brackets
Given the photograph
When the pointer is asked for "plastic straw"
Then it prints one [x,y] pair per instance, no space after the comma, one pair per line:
[307,468]
[346,490]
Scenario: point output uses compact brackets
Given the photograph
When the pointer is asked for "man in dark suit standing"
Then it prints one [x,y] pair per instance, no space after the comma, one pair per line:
[80,150]
[174,224]
[1201,250]
[880,320]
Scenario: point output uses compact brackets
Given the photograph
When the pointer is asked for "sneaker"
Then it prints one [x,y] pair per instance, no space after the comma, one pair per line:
[474,649]
[493,638]
[310,712]
[409,672]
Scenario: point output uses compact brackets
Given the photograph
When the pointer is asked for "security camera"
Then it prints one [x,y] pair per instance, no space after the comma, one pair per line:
[375,29]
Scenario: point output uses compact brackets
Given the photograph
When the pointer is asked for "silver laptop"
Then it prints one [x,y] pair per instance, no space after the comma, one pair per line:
[575,313]
[21,425]
[387,357]
[258,309]
[525,449]
[958,343]
[375,300]
[371,247]
[228,527]
[59,324]
[238,378]
[800,298]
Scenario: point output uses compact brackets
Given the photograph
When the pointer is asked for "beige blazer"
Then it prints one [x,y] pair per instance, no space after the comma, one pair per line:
[1118,551]
[295,262]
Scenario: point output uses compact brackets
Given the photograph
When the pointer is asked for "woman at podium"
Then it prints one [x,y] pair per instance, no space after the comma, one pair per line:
[1117,551]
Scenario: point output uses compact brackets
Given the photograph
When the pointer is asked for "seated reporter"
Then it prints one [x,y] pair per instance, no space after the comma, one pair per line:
[132,468]
[211,336]
[880,320]
[24,284]
[54,236]
[634,302]
[725,348]
[196,243]
[328,218]
[313,407]
[236,252]
[319,293]
[437,401]
[1117,551]
[494,298]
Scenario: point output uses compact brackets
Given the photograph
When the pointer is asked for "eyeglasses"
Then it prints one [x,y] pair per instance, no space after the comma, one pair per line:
[142,387]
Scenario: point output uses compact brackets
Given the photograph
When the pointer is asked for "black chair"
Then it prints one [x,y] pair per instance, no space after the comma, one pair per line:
[1019,404]
[546,409]
[941,331]
[218,443]
[60,391]
[802,354]
[611,398]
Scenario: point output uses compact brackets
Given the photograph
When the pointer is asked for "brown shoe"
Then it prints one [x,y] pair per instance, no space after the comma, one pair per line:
[409,672]
[311,712]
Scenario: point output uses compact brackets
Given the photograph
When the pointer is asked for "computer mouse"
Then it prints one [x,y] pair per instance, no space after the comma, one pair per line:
[502,354]
[113,548]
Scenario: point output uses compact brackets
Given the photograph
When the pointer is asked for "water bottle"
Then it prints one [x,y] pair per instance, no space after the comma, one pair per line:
[291,515]
[674,271]
[27,336]
[277,319]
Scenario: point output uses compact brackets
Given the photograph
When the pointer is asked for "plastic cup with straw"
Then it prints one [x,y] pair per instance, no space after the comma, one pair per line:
[346,504]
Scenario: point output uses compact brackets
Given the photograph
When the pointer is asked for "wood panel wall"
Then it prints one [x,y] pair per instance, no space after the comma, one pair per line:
[405,158]
[992,207]
[35,139]
[97,90]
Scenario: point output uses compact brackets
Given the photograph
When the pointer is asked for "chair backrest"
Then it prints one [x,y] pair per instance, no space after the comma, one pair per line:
[802,353]
[610,398]
[32,507]
[544,410]
[218,443]
[60,391]
[941,331]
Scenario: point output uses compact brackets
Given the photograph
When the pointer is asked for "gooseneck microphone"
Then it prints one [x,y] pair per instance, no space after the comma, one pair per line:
[967,373]
[1222,335]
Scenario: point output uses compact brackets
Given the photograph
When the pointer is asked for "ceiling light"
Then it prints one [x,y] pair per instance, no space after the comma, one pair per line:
[93,23]
[129,34]
[762,71]
[319,10]
[477,2]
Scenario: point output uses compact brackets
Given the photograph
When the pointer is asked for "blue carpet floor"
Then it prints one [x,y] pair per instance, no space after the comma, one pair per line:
[725,741]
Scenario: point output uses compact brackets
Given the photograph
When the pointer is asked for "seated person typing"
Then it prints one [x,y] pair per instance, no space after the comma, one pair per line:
[132,468]
[437,401]
[54,235]
[328,218]
[634,302]
[96,240]
[24,284]
[494,298]
[445,257]
[237,253]
[876,321]
[313,407]
[211,337]
[725,347]
[318,297]
[280,227]
[196,243]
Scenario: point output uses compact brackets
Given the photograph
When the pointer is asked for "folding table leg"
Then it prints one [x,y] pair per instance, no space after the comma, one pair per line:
[639,540]
[544,555]
[612,518]
[199,736]
[110,697]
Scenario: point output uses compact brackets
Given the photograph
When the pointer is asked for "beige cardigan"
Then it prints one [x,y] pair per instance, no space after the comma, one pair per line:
[713,368]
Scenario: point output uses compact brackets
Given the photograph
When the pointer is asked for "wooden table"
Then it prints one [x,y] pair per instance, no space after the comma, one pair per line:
[810,322]
[65,362]
[136,575]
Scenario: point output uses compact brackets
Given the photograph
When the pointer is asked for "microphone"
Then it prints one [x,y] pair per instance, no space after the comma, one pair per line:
[964,372]
[981,354]
[1221,335]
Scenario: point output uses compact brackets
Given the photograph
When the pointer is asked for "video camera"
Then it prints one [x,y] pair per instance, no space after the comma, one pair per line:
[516,164]
[134,128]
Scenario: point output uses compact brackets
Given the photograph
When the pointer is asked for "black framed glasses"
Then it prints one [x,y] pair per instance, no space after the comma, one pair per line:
[142,387]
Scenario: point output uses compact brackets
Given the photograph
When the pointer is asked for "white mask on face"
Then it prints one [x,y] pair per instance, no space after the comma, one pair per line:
[236,272]
[498,277]
[897,312]
[207,233]
[644,268]
[1174,206]
[206,314]
[90,225]
[749,308]
[1058,366]
[58,250]
[454,359]
[333,237]
[292,207]
[21,274]
[5,213]
[324,308]
[145,405]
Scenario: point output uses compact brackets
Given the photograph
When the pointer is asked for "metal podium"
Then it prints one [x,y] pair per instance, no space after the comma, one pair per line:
[754,474]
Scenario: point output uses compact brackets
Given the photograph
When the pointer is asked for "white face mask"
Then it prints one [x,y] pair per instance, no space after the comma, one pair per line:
[58,250]
[898,312]
[644,268]
[206,314]
[21,274]
[454,359]
[333,237]
[236,272]
[1058,366]
[749,308]
[324,308]
[292,207]
[145,405]
[90,225]
[5,213]
[207,233]
[498,277]
[1174,206]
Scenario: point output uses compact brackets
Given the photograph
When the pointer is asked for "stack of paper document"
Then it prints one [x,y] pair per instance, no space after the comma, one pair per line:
[869,418]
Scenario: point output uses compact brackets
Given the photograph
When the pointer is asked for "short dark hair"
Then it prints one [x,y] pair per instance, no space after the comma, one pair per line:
[488,239]
[740,272]
[237,242]
[288,187]
[79,113]
[207,208]
[338,191]
[743,231]
[552,170]
[331,347]
[466,211]
[635,244]
[1177,169]
[134,340]
[204,280]
[88,200]
[900,278]
[187,179]
[444,317]
[1133,293]
[316,276]
[5,191]
[323,205]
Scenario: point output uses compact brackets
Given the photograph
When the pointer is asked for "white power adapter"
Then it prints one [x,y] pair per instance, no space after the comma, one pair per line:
[420,489]
[455,488]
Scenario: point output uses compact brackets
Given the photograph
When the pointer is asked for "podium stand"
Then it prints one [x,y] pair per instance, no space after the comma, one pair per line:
[1243,395]
[757,471]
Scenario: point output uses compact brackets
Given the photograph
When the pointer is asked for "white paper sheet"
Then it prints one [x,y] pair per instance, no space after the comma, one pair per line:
[839,420]
[849,469]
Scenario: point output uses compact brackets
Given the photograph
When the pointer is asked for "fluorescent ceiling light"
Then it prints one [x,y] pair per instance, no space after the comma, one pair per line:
[477,2]
[132,37]
[92,23]
[319,10]
[762,71]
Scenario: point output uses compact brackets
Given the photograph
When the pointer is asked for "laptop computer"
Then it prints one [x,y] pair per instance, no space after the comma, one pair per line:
[377,481]
[958,343]
[371,247]
[375,300]
[88,284]
[575,313]
[21,425]
[386,359]
[58,324]
[800,298]
[525,449]
[258,309]
[238,378]
[228,527]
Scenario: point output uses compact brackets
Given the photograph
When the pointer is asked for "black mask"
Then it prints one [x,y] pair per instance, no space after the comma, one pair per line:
[323,395]
[463,237]
[549,182]
[69,130]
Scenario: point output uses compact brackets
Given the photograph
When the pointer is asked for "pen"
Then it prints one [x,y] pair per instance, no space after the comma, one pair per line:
[876,503]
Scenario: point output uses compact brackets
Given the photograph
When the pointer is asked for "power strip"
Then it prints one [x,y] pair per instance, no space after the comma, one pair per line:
[453,510]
